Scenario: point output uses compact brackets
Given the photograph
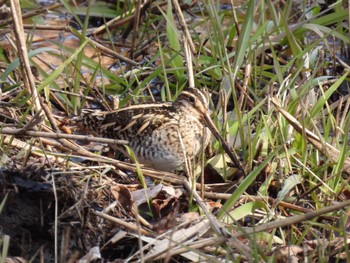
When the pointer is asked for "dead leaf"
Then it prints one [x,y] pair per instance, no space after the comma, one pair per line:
[93,255]
[123,196]
[189,217]
[212,204]
[143,195]
[290,254]
[165,223]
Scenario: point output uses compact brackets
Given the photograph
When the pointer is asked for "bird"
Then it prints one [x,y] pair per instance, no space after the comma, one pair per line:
[162,135]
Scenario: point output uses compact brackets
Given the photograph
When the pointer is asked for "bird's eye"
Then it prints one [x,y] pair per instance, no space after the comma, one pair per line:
[191,99]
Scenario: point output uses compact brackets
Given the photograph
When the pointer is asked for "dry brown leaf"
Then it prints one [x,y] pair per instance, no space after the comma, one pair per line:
[212,204]
[288,254]
[123,196]
[189,217]
[143,195]
[165,223]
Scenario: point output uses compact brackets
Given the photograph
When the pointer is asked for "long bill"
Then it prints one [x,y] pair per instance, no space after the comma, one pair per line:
[209,123]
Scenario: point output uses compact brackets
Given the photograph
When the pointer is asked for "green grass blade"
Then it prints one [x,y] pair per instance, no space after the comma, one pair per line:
[55,74]
[245,184]
[244,37]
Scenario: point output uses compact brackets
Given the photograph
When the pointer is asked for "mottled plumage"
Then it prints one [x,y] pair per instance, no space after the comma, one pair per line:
[158,133]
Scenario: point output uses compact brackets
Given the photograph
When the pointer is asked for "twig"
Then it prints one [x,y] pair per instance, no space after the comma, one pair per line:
[28,77]
[15,143]
[22,133]
[295,219]
[188,57]
[243,249]
[112,53]
[184,26]
[244,88]
[47,27]
[202,243]
[122,223]
[35,121]
[136,22]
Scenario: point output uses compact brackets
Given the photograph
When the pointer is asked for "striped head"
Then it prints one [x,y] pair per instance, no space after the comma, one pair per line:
[193,101]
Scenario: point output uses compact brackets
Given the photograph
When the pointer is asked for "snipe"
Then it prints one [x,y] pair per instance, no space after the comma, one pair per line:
[161,135]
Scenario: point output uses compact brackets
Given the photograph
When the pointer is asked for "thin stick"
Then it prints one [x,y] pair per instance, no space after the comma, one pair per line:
[20,132]
[183,25]
[188,57]
[122,223]
[112,53]
[136,27]
[295,219]
[28,80]
[242,248]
